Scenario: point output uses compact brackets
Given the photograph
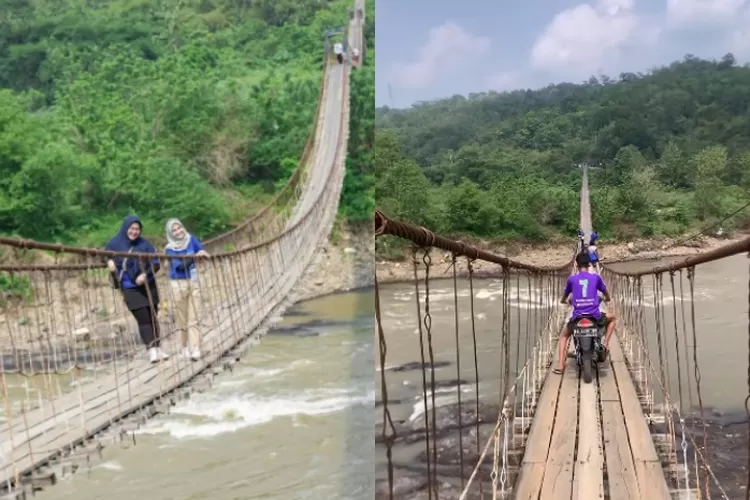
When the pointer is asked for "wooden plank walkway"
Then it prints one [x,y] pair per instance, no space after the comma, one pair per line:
[580,430]
[356,32]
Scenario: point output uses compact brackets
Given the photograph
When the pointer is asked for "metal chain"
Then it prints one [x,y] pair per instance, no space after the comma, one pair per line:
[697,370]
[415,262]
[428,328]
[504,464]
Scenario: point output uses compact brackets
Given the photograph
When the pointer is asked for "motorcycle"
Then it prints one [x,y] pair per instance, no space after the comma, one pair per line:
[587,339]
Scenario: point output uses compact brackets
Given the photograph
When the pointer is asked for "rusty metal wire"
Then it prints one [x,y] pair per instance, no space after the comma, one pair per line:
[635,336]
[452,432]
[425,238]
[722,252]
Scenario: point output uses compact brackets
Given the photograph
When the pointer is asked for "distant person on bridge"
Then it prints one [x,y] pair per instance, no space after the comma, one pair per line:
[137,281]
[338,49]
[593,253]
[581,244]
[183,280]
[584,287]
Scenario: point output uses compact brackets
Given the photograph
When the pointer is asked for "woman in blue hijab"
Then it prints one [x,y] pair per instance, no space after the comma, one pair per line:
[186,290]
[137,281]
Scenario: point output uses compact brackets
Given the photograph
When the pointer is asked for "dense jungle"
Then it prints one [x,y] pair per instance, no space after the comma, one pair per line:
[198,109]
[668,150]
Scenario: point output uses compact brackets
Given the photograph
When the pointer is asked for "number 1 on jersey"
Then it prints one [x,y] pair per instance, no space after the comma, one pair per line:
[584,287]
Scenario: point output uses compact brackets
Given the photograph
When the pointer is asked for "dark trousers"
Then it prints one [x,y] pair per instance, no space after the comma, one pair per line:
[340,57]
[148,325]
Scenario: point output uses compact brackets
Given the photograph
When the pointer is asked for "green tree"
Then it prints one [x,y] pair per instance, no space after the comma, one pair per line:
[709,165]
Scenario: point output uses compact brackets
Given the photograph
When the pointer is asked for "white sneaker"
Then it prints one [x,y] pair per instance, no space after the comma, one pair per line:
[162,355]
[153,355]
[185,352]
[195,354]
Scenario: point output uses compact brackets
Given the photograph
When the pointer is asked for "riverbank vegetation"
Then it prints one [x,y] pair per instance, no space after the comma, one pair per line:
[669,151]
[190,108]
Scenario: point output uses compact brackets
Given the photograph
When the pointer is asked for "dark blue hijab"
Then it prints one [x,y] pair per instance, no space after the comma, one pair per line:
[121,243]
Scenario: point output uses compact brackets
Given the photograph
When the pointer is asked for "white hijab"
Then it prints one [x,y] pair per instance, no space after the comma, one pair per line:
[174,243]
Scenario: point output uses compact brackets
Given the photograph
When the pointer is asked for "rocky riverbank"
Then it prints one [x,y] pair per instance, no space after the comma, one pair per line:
[345,261]
[557,254]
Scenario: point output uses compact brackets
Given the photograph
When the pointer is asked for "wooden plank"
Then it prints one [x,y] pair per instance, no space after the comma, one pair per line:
[651,481]
[558,477]
[622,482]
[607,383]
[537,447]
[615,349]
[529,482]
[588,478]
[641,442]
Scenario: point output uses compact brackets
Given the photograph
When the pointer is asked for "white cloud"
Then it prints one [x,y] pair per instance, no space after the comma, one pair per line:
[448,48]
[611,36]
[590,38]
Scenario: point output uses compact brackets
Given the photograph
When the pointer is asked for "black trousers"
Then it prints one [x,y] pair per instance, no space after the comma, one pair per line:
[148,325]
[340,57]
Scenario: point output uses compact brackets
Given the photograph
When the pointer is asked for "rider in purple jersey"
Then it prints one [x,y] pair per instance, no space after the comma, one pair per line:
[584,287]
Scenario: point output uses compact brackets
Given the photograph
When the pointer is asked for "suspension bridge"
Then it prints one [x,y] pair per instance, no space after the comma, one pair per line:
[74,373]
[501,424]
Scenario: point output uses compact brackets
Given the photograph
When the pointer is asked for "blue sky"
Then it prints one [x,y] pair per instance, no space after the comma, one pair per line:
[428,49]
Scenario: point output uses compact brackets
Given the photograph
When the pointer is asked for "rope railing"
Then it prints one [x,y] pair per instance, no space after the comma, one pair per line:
[663,336]
[74,363]
[660,340]
[463,388]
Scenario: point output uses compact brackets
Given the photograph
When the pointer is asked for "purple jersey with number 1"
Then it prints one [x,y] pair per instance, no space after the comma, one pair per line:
[584,288]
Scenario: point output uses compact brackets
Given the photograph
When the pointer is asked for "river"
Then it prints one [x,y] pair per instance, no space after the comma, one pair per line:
[287,423]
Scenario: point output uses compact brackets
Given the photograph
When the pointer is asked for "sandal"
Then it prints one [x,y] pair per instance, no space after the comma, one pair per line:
[557,371]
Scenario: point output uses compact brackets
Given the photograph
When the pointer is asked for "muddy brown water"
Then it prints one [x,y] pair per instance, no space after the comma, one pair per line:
[287,423]
[721,311]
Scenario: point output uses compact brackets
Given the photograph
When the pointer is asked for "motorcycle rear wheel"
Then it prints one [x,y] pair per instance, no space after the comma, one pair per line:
[587,367]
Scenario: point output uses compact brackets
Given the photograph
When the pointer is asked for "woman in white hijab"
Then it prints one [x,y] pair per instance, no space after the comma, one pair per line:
[183,279]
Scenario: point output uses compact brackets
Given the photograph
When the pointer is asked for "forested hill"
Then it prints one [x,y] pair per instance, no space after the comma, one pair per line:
[670,150]
[197,109]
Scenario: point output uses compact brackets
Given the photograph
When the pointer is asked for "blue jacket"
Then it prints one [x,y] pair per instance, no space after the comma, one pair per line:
[128,268]
[179,269]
